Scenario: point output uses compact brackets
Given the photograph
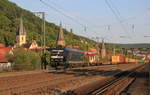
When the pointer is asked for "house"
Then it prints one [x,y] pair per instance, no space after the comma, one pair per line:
[92,55]
[4,63]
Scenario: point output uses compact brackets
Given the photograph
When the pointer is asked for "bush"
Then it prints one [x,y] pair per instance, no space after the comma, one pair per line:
[22,59]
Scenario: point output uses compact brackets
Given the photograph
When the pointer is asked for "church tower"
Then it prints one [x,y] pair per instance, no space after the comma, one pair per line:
[60,37]
[21,34]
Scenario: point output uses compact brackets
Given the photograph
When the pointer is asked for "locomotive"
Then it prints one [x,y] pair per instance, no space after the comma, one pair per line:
[67,57]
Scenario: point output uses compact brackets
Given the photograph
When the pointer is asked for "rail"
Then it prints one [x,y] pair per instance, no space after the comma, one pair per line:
[117,85]
[98,87]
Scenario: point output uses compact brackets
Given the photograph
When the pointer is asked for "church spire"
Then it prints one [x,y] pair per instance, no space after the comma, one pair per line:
[21,34]
[21,30]
[60,37]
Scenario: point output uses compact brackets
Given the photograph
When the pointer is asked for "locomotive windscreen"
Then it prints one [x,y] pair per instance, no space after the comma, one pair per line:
[57,55]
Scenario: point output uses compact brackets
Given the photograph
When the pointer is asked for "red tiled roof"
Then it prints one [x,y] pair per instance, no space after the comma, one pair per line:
[2,45]
[92,50]
[86,53]
[3,52]
[3,59]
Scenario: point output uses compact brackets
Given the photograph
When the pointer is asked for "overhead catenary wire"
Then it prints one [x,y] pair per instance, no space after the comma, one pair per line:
[68,16]
[117,17]
[61,8]
[126,19]
[64,14]
[116,9]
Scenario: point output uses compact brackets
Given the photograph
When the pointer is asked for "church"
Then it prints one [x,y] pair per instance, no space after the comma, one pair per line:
[21,38]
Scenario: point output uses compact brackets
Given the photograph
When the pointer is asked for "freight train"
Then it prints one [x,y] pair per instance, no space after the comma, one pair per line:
[69,57]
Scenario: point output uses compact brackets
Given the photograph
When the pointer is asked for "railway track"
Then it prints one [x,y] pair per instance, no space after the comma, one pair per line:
[116,86]
[140,86]
[37,86]
[34,84]
[111,86]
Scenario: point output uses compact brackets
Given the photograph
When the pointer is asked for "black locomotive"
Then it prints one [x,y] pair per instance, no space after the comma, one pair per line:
[67,57]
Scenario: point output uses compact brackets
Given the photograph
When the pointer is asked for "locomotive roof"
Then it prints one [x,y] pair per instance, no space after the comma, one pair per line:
[68,49]
[72,49]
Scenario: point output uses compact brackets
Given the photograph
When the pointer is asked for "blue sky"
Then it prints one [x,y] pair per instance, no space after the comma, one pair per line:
[97,17]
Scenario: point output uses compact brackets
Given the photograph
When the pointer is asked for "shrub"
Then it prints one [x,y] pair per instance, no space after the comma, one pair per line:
[22,59]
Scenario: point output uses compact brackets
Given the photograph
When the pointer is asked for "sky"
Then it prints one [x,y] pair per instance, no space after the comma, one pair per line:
[117,21]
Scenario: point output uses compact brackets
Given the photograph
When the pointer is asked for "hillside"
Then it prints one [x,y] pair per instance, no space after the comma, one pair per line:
[9,22]
[138,45]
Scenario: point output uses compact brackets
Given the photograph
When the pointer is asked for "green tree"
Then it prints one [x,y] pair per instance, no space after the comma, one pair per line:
[24,60]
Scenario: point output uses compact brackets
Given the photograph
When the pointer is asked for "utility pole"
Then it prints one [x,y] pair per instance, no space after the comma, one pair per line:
[103,49]
[114,50]
[97,46]
[133,28]
[43,27]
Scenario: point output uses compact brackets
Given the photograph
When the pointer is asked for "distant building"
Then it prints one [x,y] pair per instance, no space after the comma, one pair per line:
[91,55]
[21,34]
[60,37]
[31,45]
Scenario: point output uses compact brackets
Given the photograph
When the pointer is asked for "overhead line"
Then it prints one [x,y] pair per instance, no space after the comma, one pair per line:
[69,17]
[117,18]
[115,8]
[59,11]
[85,27]
[62,13]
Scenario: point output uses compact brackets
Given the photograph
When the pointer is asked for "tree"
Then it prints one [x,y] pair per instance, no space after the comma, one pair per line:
[22,59]
[10,15]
